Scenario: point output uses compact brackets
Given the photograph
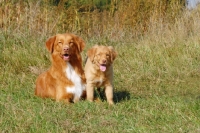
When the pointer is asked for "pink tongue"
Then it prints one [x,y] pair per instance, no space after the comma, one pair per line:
[102,68]
[65,57]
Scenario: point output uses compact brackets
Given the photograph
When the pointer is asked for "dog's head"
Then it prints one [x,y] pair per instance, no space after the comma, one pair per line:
[65,45]
[102,56]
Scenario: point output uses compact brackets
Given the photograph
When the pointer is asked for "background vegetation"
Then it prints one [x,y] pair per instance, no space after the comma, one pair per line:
[156,73]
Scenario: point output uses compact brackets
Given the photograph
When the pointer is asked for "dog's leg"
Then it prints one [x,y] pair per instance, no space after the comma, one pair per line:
[90,92]
[76,99]
[109,94]
[61,95]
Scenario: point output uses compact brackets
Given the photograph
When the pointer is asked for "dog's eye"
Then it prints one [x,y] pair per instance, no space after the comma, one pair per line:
[107,55]
[59,42]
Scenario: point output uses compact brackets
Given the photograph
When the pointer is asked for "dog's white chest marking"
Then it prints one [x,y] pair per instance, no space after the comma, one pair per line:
[78,87]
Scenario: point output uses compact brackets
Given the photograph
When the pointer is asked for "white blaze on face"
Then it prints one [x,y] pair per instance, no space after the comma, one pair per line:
[78,87]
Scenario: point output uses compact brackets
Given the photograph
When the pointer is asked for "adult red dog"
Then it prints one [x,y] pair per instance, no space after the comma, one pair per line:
[65,80]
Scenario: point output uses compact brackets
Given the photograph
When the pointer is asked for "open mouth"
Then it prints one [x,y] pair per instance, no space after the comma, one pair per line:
[103,67]
[66,57]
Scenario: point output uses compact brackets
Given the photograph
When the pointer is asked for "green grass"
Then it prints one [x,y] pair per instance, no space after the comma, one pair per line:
[156,90]
[156,78]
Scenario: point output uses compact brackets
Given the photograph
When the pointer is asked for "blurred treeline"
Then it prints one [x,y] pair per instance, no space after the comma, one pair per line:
[87,17]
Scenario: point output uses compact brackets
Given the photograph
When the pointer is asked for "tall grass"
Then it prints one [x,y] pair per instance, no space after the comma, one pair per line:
[120,16]
[156,73]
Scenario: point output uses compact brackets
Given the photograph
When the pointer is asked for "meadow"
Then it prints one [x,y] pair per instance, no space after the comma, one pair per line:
[156,72]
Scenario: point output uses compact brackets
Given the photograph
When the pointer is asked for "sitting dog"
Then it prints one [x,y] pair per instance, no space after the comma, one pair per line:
[65,80]
[99,71]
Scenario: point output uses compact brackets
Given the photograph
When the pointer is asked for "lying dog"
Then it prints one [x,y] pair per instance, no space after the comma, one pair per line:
[65,80]
[99,71]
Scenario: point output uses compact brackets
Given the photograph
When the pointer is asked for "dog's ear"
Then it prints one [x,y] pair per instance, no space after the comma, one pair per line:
[113,53]
[79,41]
[91,52]
[50,43]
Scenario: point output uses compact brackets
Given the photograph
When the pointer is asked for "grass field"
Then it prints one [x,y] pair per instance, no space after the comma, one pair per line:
[156,78]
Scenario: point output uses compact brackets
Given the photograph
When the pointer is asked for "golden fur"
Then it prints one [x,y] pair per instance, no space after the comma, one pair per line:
[65,79]
[99,71]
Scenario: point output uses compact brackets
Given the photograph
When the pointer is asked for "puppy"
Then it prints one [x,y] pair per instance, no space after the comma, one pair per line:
[99,71]
[65,79]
